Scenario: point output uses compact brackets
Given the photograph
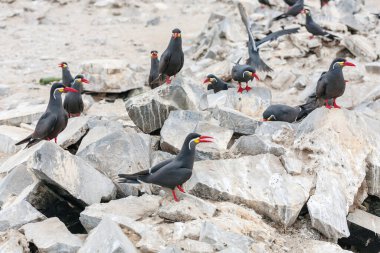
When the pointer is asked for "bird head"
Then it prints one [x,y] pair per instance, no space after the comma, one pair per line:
[176,33]
[270,118]
[194,139]
[268,115]
[60,88]
[63,65]
[250,74]
[81,79]
[153,54]
[210,79]
[306,11]
[341,62]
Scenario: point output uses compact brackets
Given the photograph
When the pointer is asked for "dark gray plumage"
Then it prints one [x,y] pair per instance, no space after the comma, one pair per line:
[67,78]
[290,2]
[53,121]
[243,73]
[216,84]
[331,84]
[287,113]
[266,2]
[294,10]
[153,74]
[73,102]
[173,172]
[275,35]
[314,28]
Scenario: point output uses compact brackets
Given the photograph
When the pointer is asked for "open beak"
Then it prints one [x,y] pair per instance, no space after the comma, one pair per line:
[84,80]
[69,89]
[207,80]
[205,138]
[60,65]
[255,76]
[349,64]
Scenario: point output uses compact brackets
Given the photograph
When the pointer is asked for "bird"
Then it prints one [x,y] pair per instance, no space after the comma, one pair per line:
[275,35]
[266,2]
[73,102]
[53,121]
[314,28]
[153,74]
[171,173]
[331,84]
[290,2]
[216,84]
[377,15]
[243,73]
[172,59]
[294,10]
[324,2]
[287,113]
[67,78]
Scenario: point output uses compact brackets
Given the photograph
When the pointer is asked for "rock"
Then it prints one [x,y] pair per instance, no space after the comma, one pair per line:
[314,246]
[110,111]
[373,174]
[171,249]
[150,109]
[254,145]
[107,237]
[76,128]
[4,89]
[118,152]
[283,79]
[235,120]
[138,207]
[292,164]
[72,176]
[51,235]
[221,239]
[189,208]
[9,135]
[373,68]
[192,246]
[18,214]
[180,123]
[159,156]
[17,116]
[260,182]
[111,76]
[360,47]
[13,241]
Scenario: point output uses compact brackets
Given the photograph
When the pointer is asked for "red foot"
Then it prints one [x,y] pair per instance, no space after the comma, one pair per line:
[311,37]
[327,104]
[247,88]
[180,188]
[48,139]
[73,115]
[240,89]
[168,81]
[175,196]
[55,139]
[335,105]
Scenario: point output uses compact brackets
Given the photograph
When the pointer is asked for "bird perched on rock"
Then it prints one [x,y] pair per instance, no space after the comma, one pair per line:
[171,173]
[171,61]
[266,2]
[67,78]
[294,10]
[153,74]
[314,28]
[287,113]
[53,121]
[73,102]
[216,84]
[243,73]
[331,84]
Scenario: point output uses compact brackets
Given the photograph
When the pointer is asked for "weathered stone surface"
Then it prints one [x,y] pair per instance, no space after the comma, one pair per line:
[9,135]
[235,120]
[107,237]
[51,236]
[13,241]
[360,47]
[189,208]
[283,79]
[292,164]
[373,174]
[373,68]
[118,152]
[76,128]
[254,145]
[69,173]
[192,246]
[17,116]
[159,156]
[109,111]
[171,249]
[365,220]
[150,109]
[111,76]
[260,182]
[180,123]
[314,246]
[138,207]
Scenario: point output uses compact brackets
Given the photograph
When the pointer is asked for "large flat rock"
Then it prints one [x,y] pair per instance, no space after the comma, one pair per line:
[76,128]
[17,116]
[9,136]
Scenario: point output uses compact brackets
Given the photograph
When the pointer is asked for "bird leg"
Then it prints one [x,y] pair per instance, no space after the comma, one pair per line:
[69,115]
[175,196]
[240,89]
[180,188]
[335,105]
[55,139]
[327,104]
[311,37]
[247,88]
[345,81]
[168,81]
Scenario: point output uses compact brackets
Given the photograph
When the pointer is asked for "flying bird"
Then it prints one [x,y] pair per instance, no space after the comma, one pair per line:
[153,74]
[171,173]
[331,84]
[53,121]
[216,84]
[73,102]
[67,78]
[314,28]
[243,73]
[294,10]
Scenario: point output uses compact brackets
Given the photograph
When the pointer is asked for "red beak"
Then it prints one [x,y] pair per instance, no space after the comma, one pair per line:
[60,65]
[256,76]
[349,64]
[205,138]
[206,80]
[263,120]
[84,80]
[69,89]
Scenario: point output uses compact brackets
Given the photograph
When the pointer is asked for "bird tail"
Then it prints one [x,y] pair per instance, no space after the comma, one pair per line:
[27,139]
[332,36]
[280,17]
[159,80]
[132,178]
[258,63]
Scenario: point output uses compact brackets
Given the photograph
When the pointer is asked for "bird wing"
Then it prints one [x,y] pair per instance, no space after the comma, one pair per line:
[170,176]
[321,85]
[244,18]
[45,125]
[275,35]
[164,62]
[182,61]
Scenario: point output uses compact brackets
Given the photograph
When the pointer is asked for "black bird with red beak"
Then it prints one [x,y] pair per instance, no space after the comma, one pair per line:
[153,74]
[314,28]
[294,10]
[171,61]
[53,121]
[67,78]
[243,73]
[331,84]
[73,102]
[216,84]
[172,173]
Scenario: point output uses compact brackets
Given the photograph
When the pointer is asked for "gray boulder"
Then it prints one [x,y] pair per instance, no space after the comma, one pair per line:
[13,241]
[75,129]
[26,114]
[9,135]
[254,145]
